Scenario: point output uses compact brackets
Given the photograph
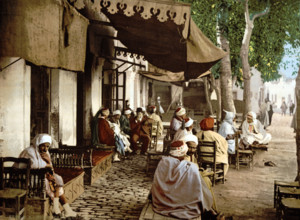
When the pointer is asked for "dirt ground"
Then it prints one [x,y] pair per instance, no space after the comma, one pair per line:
[249,194]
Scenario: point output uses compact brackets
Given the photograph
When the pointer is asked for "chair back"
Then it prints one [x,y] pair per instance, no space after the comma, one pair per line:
[206,153]
[15,172]
[154,129]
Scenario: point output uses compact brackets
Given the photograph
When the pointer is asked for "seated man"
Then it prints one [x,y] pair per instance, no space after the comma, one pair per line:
[179,116]
[156,117]
[140,127]
[106,134]
[253,131]
[40,158]
[178,189]
[227,130]
[124,122]
[115,126]
[186,135]
[207,134]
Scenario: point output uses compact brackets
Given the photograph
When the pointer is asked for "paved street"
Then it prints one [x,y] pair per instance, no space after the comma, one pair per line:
[119,194]
[122,191]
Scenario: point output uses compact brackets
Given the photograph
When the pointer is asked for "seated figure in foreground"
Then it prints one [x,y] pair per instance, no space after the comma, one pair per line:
[40,158]
[207,134]
[253,131]
[178,189]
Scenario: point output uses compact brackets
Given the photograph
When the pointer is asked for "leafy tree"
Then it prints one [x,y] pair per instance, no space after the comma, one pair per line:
[279,26]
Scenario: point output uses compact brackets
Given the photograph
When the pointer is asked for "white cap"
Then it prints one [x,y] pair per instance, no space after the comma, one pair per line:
[180,111]
[117,112]
[127,112]
[188,122]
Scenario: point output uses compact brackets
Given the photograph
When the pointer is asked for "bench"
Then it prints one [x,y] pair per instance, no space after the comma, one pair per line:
[263,147]
[97,160]
[148,213]
[69,165]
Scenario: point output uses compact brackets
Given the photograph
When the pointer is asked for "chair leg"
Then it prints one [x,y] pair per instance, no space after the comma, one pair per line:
[147,165]
[17,208]
[224,173]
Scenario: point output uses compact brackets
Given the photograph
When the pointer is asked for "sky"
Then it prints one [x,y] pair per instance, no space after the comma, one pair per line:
[292,62]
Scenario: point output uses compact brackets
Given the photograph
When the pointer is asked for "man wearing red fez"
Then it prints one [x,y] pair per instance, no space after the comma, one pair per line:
[207,134]
[106,134]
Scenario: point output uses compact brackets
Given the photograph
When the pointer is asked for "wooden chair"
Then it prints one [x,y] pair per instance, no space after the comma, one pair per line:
[206,156]
[242,156]
[278,184]
[290,209]
[154,157]
[14,183]
[154,135]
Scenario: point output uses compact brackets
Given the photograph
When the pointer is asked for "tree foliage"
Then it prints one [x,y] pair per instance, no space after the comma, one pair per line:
[271,32]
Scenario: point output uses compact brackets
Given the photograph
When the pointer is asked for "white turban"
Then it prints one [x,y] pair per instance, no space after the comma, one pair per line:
[178,149]
[127,112]
[180,111]
[188,122]
[117,112]
[43,138]
[252,115]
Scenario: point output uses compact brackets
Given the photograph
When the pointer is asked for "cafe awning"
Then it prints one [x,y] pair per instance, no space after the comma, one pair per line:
[47,33]
[164,33]
[167,76]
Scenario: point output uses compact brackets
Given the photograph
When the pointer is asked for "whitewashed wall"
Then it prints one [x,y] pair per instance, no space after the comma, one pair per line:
[279,89]
[14,106]
[64,103]
[96,90]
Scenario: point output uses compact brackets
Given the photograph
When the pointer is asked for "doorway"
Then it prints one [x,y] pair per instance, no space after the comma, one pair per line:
[40,98]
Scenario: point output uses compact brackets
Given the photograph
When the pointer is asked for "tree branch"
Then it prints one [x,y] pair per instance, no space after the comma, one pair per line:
[261,14]
[247,10]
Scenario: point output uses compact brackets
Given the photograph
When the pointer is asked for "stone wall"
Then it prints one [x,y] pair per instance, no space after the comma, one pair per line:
[14,106]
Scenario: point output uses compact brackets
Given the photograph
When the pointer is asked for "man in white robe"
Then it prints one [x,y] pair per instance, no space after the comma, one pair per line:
[253,131]
[178,189]
[115,126]
[176,122]
[228,130]
[40,158]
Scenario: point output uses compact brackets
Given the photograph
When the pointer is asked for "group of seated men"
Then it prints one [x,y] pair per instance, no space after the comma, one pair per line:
[179,190]
[125,131]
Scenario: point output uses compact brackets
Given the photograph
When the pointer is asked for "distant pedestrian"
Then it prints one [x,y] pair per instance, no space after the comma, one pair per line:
[292,107]
[283,107]
[270,112]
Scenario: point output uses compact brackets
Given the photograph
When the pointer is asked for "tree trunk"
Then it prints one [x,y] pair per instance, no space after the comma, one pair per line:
[297,92]
[226,78]
[215,84]
[244,54]
[207,96]
[246,68]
